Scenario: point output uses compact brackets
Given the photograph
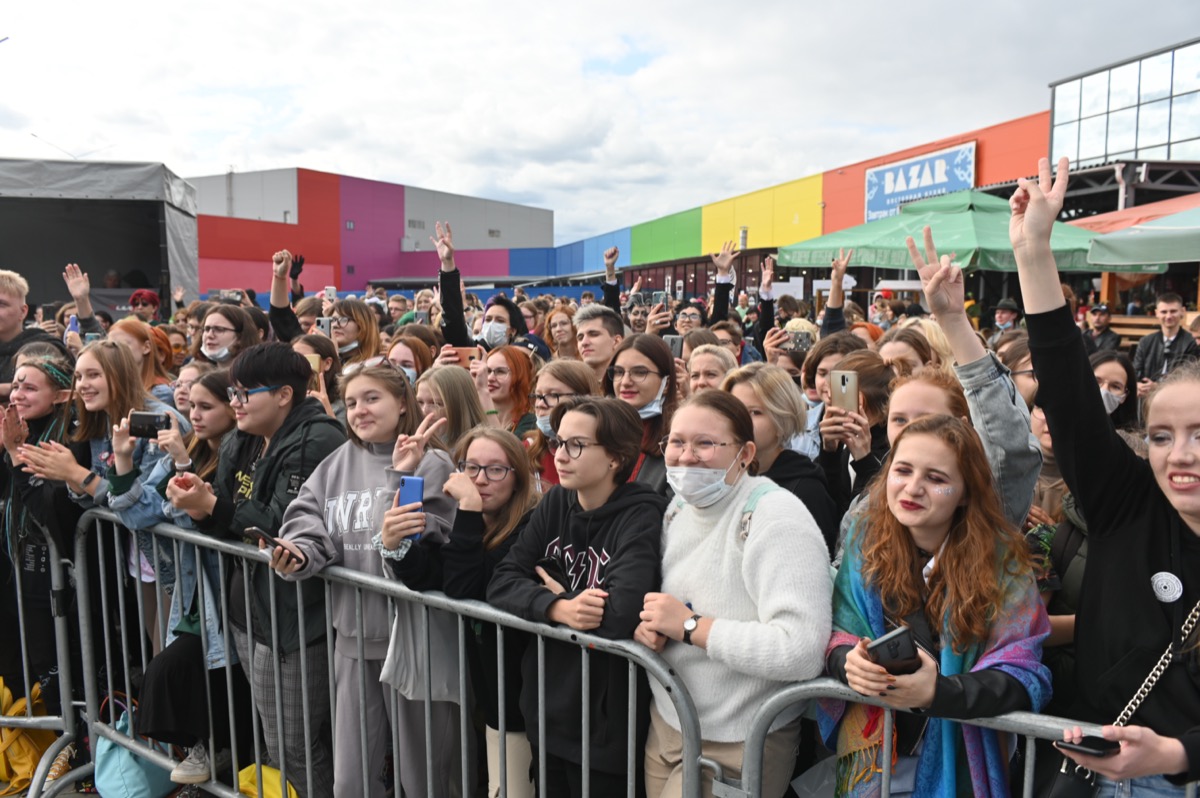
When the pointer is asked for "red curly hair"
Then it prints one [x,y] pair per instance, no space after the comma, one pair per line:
[965,587]
[522,379]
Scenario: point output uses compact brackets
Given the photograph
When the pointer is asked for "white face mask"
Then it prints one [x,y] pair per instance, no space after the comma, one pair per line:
[543,424]
[494,333]
[1111,401]
[698,486]
[654,406]
[410,374]
[216,355]
[342,350]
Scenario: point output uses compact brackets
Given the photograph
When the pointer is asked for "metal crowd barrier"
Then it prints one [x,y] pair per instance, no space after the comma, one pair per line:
[1030,725]
[64,722]
[119,648]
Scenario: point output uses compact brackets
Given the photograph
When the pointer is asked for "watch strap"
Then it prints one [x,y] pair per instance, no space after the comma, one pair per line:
[687,633]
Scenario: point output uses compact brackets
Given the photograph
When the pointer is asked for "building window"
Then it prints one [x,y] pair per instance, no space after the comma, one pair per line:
[349,224]
[493,233]
[416,224]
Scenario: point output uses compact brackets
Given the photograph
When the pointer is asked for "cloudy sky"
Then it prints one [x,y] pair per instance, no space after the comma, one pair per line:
[608,113]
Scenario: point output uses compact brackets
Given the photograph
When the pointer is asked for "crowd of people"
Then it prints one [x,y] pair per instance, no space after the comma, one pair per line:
[1018,506]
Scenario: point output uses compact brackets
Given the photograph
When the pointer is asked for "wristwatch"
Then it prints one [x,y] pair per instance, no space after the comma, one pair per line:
[689,626]
[89,479]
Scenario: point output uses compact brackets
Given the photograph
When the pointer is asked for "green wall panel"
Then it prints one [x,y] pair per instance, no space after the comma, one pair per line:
[669,238]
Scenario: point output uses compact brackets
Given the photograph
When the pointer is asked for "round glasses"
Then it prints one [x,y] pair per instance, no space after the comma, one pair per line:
[550,399]
[574,446]
[637,373]
[703,449]
[493,473]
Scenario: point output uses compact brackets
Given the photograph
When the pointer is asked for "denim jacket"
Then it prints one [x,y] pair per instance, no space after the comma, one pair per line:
[186,591]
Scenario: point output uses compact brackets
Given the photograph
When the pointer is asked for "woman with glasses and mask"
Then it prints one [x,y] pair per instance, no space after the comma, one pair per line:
[348,513]
[450,393]
[224,333]
[642,375]
[495,492]
[742,609]
[355,330]
[602,530]
[503,381]
[556,381]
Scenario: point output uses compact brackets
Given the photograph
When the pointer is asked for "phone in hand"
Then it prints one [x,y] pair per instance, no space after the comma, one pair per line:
[256,532]
[91,338]
[466,354]
[147,425]
[800,342]
[843,388]
[331,293]
[675,342]
[1091,746]
[325,325]
[554,570]
[658,298]
[896,652]
[412,491]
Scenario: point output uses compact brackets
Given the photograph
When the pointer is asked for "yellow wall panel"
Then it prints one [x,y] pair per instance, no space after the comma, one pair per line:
[774,216]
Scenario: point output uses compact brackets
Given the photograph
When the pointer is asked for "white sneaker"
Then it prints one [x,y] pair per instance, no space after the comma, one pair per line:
[194,769]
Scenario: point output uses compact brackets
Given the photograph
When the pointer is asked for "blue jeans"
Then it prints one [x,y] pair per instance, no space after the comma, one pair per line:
[1148,786]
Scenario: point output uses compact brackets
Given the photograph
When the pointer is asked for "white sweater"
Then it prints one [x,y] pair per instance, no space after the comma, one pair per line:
[769,596]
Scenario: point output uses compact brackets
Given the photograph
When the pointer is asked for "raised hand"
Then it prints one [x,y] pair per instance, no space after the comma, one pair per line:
[13,431]
[410,448]
[281,264]
[768,274]
[1035,206]
[775,343]
[837,269]
[942,281]
[177,295]
[610,258]
[123,443]
[659,319]
[171,441]
[78,283]
[637,286]
[723,260]
[462,489]
[444,244]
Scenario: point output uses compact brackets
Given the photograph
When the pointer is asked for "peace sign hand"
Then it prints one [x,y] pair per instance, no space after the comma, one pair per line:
[839,265]
[942,281]
[1035,206]
[409,448]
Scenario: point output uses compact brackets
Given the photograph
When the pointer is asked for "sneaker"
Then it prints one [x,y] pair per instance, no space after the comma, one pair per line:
[194,769]
[62,763]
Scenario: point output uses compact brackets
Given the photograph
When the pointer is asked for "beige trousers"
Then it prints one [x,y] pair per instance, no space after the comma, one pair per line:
[518,756]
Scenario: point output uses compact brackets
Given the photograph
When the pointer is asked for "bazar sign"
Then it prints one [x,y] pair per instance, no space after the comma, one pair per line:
[890,186]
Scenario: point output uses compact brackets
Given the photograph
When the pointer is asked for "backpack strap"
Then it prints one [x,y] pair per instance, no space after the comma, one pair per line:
[1067,540]
[751,503]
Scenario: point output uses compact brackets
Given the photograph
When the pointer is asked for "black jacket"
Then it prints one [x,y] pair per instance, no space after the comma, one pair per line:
[1121,628]
[1107,341]
[9,349]
[462,568]
[1149,357]
[616,548]
[795,472]
[836,466]
[306,438]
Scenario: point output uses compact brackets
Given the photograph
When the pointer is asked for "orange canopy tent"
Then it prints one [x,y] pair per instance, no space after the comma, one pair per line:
[1139,214]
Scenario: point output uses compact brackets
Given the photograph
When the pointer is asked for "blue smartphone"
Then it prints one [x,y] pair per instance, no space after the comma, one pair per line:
[412,491]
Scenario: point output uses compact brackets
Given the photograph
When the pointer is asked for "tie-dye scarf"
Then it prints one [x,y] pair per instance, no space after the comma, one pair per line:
[855,731]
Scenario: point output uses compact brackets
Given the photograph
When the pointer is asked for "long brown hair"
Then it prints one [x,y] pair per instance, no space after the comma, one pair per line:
[568,350]
[395,383]
[153,372]
[981,548]
[524,496]
[204,452]
[657,352]
[125,390]
[576,375]
[368,328]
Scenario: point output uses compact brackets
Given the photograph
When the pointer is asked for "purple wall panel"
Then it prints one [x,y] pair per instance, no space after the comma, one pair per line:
[373,246]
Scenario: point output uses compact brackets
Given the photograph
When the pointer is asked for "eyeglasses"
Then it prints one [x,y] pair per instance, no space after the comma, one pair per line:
[242,395]
[178,347]
[493,473]
[693,316]
[211,330]
[703,449]
[574,446]
[637,373]
[186,384]
[340,321]
[550,399]
[502,371]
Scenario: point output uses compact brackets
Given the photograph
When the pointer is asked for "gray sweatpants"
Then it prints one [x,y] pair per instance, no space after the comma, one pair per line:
[260,670]
[406,720]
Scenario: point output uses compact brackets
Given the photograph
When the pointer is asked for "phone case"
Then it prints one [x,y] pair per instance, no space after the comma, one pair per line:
[896,652]
[412,491]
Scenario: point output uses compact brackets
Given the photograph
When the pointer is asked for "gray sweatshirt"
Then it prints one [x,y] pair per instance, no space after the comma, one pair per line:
[340,508]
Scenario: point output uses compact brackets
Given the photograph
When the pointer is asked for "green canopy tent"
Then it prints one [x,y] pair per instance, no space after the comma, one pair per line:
[970,224]
[1167,239]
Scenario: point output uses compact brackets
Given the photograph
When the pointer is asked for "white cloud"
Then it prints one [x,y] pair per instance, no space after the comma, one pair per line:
[609,114]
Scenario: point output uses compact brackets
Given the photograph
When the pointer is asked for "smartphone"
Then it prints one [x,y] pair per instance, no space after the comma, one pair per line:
[90,337]
[314,382]
[325,325]
[331,293]
[412,491]
[676,344]
[843,386]
[800,342]
[147,425]
[896,652]
[466,354]
[554,570]
[1092,746]
[255,532]
[422,316]
[658,298]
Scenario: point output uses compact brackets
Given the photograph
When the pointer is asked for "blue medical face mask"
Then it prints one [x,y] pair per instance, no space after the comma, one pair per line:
[654,406]
[543,424]
[699,486]
[410,373]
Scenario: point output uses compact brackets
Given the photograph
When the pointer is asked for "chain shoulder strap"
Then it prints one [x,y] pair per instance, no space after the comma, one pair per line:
[1163,663]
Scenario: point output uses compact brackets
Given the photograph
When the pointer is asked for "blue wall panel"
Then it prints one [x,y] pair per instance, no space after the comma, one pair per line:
[532,262]
[593,249]
[569,259]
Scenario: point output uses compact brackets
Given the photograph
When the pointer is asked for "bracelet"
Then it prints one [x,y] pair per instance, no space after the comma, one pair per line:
[183,466]
[491,412]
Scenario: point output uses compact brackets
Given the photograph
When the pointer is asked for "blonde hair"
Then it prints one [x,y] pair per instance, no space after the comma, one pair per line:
[456,389]
[13,284]
[726,358]
[803,325]
[777,391]
[937,341]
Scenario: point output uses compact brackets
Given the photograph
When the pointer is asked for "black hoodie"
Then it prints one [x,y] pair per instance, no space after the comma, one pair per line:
[9,349]
[805,479]
[616,548]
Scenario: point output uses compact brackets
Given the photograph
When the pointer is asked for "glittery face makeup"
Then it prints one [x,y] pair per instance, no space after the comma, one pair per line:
[924,484]
[942,491]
